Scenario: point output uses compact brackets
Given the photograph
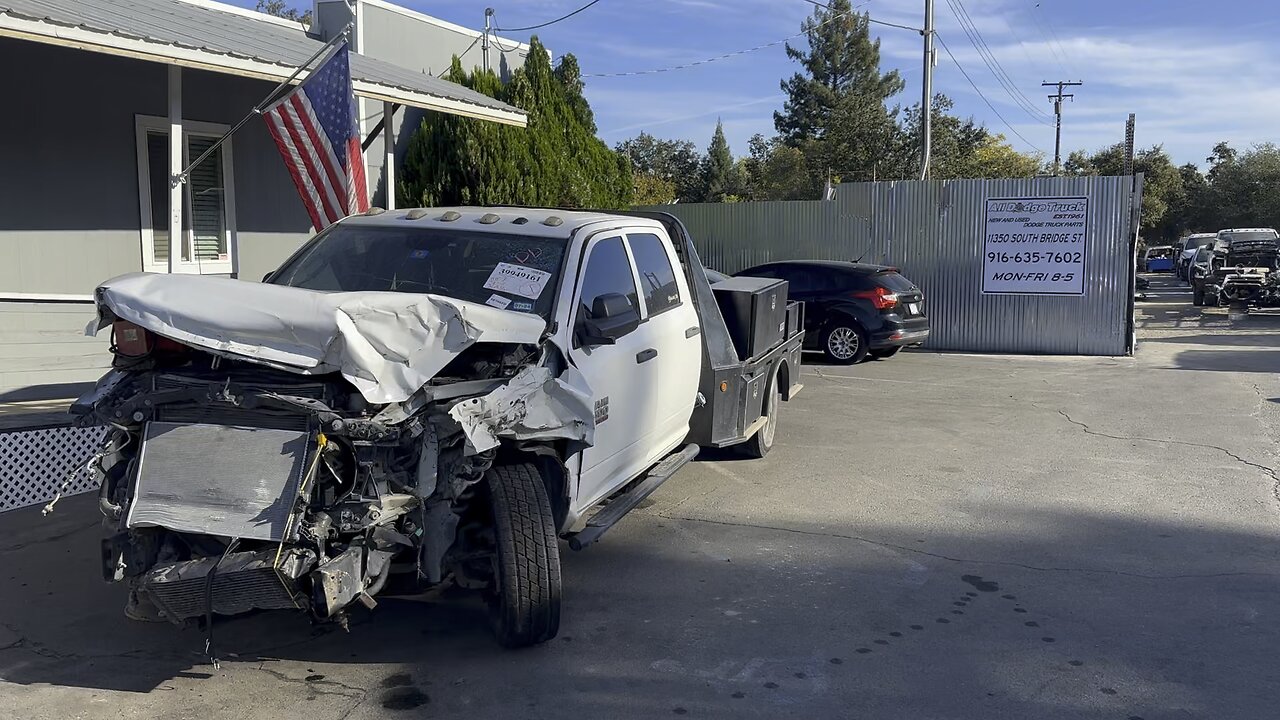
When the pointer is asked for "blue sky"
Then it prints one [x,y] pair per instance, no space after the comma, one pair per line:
[1194,72]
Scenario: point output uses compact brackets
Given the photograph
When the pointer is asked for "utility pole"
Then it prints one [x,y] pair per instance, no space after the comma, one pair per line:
[484,41]
[1128,144]
[926,100]
[1057,111]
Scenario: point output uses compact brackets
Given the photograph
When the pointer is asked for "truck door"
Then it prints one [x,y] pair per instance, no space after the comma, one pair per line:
[608,346]
[674,329]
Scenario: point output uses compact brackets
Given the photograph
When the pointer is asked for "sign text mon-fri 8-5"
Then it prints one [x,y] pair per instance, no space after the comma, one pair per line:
[1035,246]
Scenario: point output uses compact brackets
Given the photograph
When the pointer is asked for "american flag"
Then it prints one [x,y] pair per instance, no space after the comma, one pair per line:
[315,128]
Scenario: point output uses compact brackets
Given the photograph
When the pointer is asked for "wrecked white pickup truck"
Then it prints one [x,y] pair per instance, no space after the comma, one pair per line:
[417,397]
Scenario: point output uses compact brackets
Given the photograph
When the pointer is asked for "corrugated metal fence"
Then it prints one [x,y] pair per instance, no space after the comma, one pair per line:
[935,232]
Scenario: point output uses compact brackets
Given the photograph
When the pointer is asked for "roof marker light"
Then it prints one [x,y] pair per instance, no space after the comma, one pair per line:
[488,219]
[553,221]
[416,214]
[449,216]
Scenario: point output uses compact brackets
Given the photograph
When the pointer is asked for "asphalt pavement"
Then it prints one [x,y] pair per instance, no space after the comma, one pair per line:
[933,536]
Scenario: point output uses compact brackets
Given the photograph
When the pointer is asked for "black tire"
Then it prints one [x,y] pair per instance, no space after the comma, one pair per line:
[844,342]
[1197,296]
[762,442]
[885,353]
[524,602]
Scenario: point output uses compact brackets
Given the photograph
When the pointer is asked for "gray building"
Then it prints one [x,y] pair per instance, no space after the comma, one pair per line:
[103,86]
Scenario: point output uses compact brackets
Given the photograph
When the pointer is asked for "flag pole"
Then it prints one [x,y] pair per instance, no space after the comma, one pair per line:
[257,109]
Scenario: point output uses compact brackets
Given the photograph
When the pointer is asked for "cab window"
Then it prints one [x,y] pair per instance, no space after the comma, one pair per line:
[657,278]
[607,283]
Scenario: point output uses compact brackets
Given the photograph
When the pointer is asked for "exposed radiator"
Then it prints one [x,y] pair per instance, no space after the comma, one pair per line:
[245,581]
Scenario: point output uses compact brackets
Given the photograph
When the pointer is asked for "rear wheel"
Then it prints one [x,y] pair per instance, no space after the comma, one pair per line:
[524,600]
[762,442]
[844,343]
[885,353]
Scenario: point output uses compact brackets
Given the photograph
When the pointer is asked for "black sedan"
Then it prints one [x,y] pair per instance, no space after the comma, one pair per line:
[852,310]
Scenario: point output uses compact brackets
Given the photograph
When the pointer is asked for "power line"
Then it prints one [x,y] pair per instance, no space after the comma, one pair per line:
[993,64]
[549,22]
[1054,34]
[1058,57]
[977,90]
[460,56]
[745,51]
[869,18]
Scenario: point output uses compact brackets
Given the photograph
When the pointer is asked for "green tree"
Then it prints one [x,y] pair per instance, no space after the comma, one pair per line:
[953,145]
[556,161]
[280,9]
[994,157]
[652,190]
[835,110]
[717,168]
[777,171]
[1245,186]
[676,161]
[1162,187]
[842,64]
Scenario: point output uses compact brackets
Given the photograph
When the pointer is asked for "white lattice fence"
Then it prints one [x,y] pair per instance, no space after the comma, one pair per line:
[35,461]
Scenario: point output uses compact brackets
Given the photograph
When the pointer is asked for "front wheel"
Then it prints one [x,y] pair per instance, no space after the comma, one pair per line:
[524,600]
[844,343]
[885,353]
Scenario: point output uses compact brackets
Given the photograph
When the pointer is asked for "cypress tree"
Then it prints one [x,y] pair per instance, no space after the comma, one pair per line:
[555,161]
[717,168]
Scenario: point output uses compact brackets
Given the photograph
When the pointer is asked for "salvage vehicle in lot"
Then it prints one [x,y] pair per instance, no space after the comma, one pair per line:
[1188,247]
[1198,274]
[852,310]
[1237,268]
[1157,259]
[417,397]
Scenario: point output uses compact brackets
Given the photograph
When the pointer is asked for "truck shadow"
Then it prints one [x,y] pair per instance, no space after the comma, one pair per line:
[677,612]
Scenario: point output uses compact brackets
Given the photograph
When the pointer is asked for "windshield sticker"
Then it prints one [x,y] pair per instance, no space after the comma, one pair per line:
[517,280]
[498,301]
[522,306]
[419,254]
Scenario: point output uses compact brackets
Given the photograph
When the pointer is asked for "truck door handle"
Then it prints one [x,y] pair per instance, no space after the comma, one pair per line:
[690,332]
[646,355]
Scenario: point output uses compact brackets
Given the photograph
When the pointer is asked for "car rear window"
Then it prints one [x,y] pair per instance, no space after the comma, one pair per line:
[893,281]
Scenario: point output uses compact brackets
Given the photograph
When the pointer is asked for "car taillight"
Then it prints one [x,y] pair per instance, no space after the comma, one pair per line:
[881,298]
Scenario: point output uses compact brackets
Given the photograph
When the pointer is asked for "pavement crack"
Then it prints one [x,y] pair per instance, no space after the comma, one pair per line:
[1269,471]
[971,561]
[315,685]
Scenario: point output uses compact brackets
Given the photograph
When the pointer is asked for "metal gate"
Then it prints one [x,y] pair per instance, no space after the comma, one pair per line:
[935,232]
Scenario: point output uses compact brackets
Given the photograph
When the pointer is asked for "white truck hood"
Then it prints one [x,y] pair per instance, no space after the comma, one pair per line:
[388,344]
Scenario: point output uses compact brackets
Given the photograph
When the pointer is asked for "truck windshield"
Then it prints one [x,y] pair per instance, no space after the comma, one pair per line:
[514,272]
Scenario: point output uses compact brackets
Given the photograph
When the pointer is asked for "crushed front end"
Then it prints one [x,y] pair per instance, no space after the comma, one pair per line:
[229,486]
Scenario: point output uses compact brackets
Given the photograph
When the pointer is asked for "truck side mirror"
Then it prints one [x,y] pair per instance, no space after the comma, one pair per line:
[612,316]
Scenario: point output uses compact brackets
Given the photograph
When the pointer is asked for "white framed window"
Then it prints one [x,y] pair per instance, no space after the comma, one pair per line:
[208,243]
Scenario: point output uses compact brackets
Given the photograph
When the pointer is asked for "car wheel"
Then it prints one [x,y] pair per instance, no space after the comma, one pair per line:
[885,353]
[762,442]
[1197,297]
[844,343]
[524,600]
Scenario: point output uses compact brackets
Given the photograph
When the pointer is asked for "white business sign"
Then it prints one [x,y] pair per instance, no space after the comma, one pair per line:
[1035,246]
